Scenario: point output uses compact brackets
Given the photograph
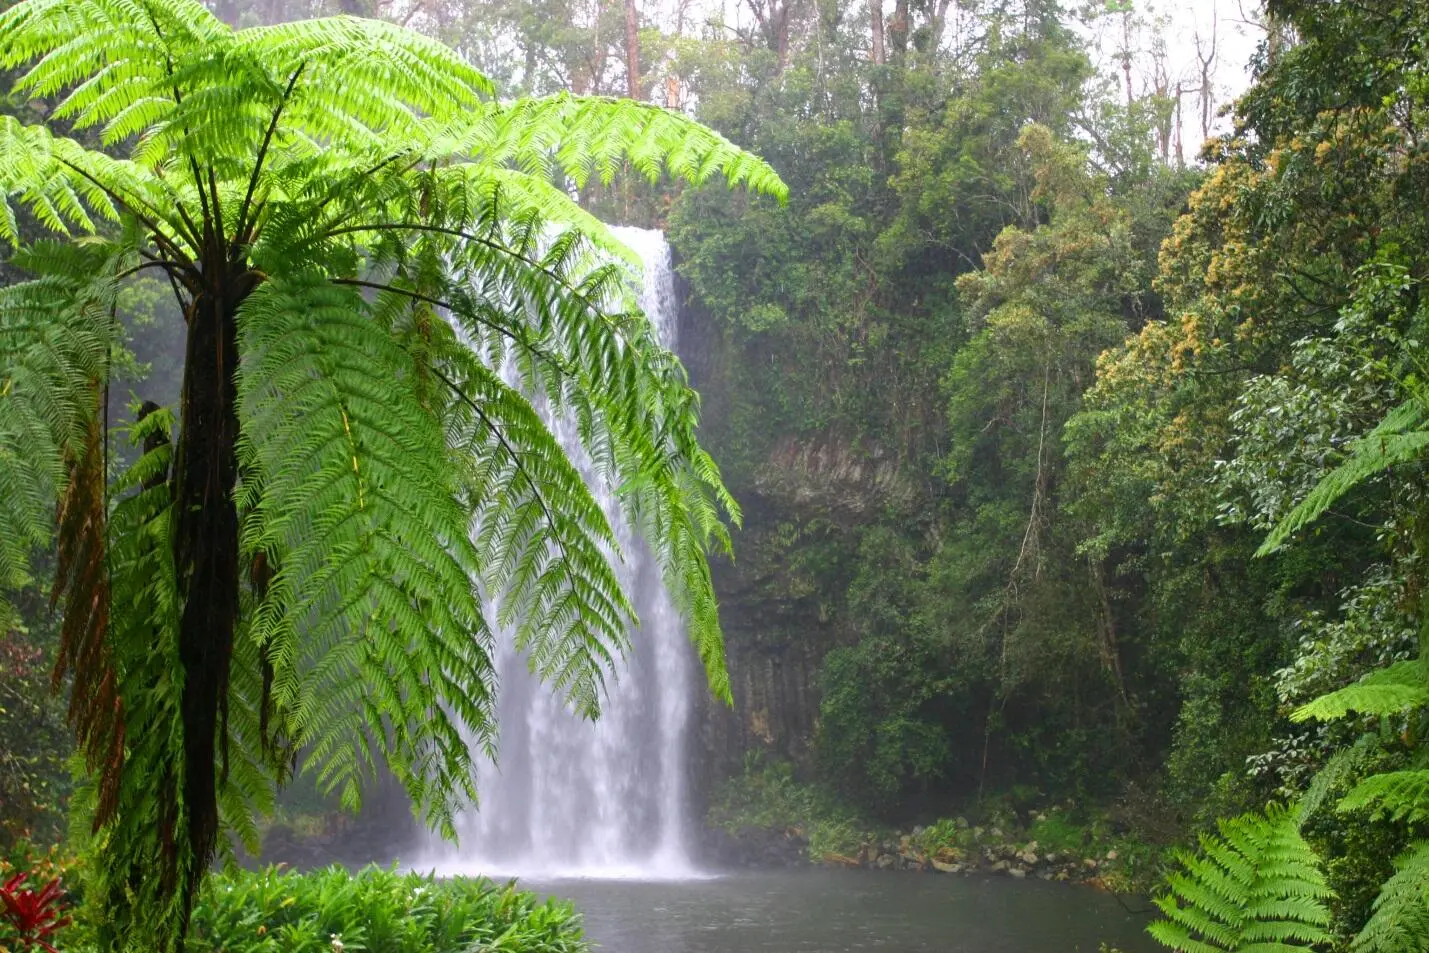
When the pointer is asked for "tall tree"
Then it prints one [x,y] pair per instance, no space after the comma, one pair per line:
[632,51]
[358,239]
[875,26]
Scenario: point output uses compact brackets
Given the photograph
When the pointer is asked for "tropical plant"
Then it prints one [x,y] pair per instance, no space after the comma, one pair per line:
[378,278]
[1257,887]
[376,910]
[1400,922]
[33,915]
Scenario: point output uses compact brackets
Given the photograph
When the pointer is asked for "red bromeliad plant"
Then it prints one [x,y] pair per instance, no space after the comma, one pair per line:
[34,915]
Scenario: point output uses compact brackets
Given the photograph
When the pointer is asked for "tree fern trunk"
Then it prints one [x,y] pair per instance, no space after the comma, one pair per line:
[205,545]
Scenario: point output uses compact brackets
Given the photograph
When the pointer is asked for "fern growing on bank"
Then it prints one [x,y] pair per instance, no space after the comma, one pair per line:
[1257,888]
[1400,438]
[377,277]
[1400,921]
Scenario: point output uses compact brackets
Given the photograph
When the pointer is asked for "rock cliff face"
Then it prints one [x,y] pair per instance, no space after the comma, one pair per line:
[804,498]
[829,476]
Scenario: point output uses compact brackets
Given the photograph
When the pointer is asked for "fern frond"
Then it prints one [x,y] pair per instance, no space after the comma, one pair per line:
[363,75]
[1400,922]
[56,334]
[372,610]
[582,136]
[1343,767]
[1256,887]
[142,858]
[545,543]
[1398,439]
[1398,795]
[1385,691]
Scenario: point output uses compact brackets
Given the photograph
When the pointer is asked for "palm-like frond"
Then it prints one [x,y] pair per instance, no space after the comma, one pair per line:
[1400,922]
[1400,795]
[1398,439]
[57,332]
[371,617]
[1385,691]
[1258,887]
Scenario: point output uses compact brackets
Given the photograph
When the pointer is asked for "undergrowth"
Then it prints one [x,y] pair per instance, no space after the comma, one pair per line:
[768,797]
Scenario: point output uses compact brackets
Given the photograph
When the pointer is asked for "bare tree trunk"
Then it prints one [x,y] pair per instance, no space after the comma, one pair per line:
[1180,130]
[936,26]
[205,550]
[632,51]
[781,36]
[898,32]
[1206,58]
[1126,57]
[875,17]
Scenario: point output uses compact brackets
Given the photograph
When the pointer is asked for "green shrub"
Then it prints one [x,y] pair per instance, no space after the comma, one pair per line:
[767,796]
[376,911]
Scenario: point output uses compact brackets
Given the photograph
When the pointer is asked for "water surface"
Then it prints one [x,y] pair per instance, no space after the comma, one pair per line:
[833,911]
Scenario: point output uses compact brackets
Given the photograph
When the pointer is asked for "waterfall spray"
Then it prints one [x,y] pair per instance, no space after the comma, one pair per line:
[571,797]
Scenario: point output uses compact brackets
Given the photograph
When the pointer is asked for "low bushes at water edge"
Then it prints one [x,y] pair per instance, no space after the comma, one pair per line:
[375,910]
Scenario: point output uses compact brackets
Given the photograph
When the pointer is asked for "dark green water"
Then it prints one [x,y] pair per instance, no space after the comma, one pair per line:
[826,911]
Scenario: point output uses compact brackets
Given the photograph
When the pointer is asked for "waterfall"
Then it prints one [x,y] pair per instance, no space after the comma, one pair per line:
[571,797]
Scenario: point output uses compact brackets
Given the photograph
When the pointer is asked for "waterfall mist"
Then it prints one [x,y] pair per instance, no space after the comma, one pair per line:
[569,797]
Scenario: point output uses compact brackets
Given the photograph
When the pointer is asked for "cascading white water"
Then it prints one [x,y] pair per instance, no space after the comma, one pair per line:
[574,798]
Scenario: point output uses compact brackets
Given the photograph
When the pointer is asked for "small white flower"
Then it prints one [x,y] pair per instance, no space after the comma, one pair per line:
[336,942]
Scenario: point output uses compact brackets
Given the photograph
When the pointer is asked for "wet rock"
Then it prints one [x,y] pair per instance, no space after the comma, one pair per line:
[1017,872]
[941,867]
[757,848]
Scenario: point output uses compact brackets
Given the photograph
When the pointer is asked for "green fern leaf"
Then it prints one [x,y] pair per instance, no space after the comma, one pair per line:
[1398,795]
[1257,887]
[1400,922]
[1397,440]
[1386,691]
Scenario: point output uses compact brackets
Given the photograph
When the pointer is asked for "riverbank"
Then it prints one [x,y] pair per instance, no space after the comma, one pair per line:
[976,850]
[766,819]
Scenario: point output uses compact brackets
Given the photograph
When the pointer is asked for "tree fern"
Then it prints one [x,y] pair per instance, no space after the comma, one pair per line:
[378,277]
[1398,439]
[1400,922]
[1257,888]
[1400,795]
[1386,691]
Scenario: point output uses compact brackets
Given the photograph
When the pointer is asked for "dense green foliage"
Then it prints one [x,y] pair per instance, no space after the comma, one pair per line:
[378,911]
[329,910]
[897,362]
[289,571]
[34,771]
[1072,472]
